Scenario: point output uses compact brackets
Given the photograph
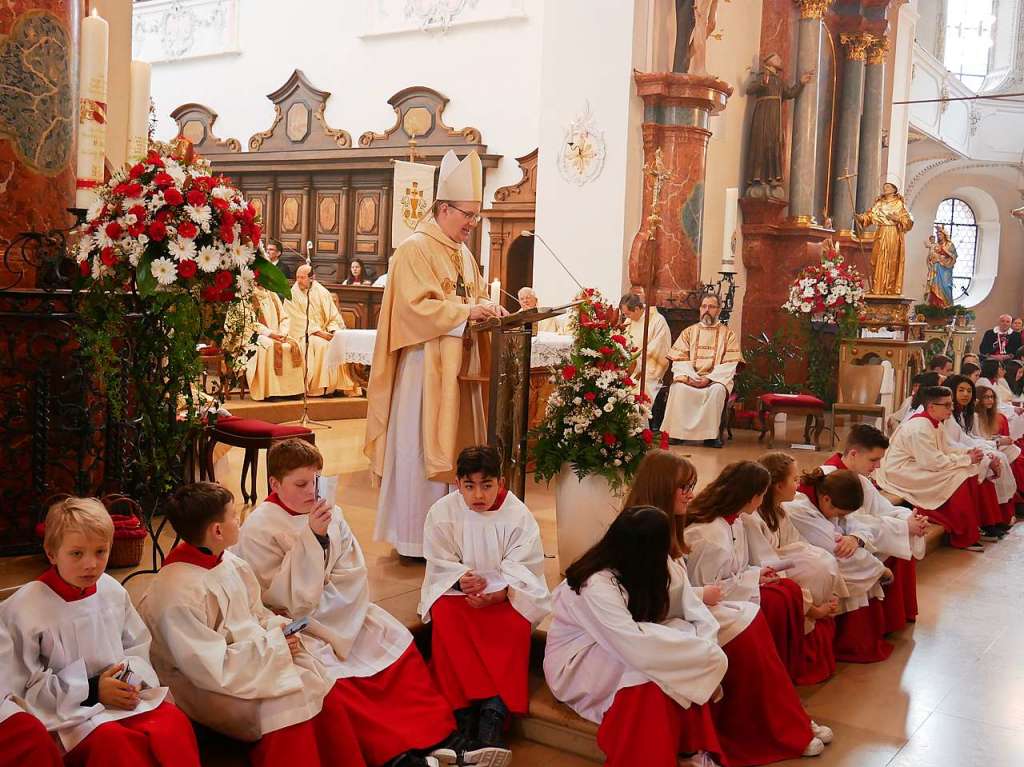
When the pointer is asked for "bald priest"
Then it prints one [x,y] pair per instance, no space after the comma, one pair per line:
[421,411]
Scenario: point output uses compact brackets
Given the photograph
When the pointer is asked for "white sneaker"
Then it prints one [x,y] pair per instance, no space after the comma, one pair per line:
[700,759]
[821,732]
[488,756]
[814,748]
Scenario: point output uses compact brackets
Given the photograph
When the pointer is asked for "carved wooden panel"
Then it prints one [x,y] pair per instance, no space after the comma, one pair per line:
[330,235]
[291,214]
[367,209]
[195,122]
[261,202]
[327,214]
[299,121]
[419,115]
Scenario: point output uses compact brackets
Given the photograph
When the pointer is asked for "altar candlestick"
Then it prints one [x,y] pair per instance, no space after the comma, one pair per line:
[138,112]
[92,117]
[496,292]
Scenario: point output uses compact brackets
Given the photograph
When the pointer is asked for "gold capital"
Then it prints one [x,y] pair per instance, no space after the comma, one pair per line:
[856,45]
[812,9]
[878,49]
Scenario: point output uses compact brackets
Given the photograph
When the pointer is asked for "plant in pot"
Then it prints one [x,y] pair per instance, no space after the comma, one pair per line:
[594,432]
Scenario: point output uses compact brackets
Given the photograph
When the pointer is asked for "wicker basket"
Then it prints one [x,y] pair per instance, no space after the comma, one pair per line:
[129,531]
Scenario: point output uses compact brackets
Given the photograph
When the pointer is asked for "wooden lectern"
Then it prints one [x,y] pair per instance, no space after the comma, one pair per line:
[508,391]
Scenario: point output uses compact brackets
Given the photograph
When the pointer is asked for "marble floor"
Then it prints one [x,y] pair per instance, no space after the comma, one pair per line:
[951,695]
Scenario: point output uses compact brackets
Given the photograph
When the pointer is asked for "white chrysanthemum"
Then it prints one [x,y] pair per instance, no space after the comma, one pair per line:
[241,255]
[208,259]
[246,281]
[175,171]
[200,215]
[155,202]
[163,270]
[222,192]
[99,269]
[225,260]
[133,202]
[95,210]
[181,248]
[85,246]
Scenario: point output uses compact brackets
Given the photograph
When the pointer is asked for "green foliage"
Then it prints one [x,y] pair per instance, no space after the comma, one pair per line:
[766,361]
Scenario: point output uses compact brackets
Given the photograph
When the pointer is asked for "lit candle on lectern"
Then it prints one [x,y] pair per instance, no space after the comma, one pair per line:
[138,112]
[496,292]
[92,106]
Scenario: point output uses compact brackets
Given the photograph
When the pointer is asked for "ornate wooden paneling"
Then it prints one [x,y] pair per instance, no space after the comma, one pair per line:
[299,120]
[195,122]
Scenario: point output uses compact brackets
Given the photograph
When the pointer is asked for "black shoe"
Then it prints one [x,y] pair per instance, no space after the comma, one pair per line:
[410,759]
[491,728]
[713,443]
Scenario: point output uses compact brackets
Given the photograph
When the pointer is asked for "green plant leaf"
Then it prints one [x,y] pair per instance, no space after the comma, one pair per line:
[144,278]
[272,278]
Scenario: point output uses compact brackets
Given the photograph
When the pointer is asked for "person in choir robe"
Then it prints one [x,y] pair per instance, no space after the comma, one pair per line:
[971,370]
[992,425]
[229,661]
[704,360]
[719,554]
[939,480]
[820,511]
[79,653]
[659,341]
[632,648]
[310,565]
[942,365]
[484,592]
[24,741]
[914,403]
[973,359]
[528,301]
[275,370]
[312,298]
[425,398]
[274,250]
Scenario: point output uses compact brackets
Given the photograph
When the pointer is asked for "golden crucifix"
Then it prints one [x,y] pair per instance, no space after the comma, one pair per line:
[660,174]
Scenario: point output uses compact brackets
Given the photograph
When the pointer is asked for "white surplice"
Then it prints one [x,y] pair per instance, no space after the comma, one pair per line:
[57,646]
[503,545]
[1005,484]
[921,467]
[1005,397]
[595,648]
[348,634]
[223,654]
[861,571]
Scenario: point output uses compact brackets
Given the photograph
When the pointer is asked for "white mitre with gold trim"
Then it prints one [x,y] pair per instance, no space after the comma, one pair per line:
[460,181]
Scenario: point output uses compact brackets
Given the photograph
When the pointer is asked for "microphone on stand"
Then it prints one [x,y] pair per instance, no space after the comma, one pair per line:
[528,233]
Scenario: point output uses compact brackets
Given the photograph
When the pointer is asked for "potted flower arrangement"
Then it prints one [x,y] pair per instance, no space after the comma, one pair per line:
[594,431]
[163,255]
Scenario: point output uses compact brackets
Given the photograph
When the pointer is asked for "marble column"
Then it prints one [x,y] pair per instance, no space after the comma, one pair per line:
[38,112]
[869,164]
[844,161]
[677,113]
[805,113]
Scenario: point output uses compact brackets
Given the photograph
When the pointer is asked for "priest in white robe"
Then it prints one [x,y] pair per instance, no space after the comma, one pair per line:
[311,299]
[275,370]
[528,301]
[704,361]
[428,378]
[659,342]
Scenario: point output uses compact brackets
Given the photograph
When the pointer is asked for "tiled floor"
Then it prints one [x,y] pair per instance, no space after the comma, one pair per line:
[951,695]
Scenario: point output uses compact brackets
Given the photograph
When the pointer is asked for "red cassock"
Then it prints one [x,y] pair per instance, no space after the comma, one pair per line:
[900,604]
[326,740]
[759,719]
[24,742]
[395,710]
[859,635]
[819,657]
[782,604]
[478,653]
[646,727]
[162,737]
[961,514]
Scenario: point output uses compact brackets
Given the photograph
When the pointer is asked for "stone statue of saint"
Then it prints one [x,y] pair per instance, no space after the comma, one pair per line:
[705,20]
[941,260]
[684,30]
[765,150]
[888,256]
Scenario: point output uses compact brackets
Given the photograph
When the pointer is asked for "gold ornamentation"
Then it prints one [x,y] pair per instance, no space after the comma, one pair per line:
[657,171]
[878,49]
[812,9]
[413,209]
[856,45]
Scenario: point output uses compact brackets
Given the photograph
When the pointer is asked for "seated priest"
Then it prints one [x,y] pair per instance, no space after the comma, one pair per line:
[324,374]
[659,341]
[528,301]
[275,370]
[704,360]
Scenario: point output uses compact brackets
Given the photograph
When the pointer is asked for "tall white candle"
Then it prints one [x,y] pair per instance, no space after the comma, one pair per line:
[92,118]
[138,112]
[496,292]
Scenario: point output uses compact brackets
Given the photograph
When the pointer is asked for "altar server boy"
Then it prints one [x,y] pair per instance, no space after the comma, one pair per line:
[310,566]
[226,657]
[80,653]
[484,591]
[24,741]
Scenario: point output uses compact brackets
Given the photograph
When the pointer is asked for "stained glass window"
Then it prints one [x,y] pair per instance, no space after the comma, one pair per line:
[957,218]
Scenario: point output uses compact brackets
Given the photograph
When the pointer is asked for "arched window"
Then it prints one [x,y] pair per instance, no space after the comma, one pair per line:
[958,219]
[969,40]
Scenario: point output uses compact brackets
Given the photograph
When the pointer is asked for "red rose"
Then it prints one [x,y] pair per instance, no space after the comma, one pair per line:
[114,230]
[223,280]
[647,435]
[629,381]
[609,439]
[153,158]
[195,197]
[173,197]
[568,372]
[663,442]
[606,350]
[187,229]
[136,229]
[157,231]
[139,211]
[220,204]
[227,234]
[590,396]
[209,293]
[107,256]
[163,180]
[187,268]
[163,216]
[137,170]
[133,190]
[619,339]
[85,268]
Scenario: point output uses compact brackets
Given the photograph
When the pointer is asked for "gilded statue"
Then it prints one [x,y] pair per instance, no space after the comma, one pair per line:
[888,256]
[941,260]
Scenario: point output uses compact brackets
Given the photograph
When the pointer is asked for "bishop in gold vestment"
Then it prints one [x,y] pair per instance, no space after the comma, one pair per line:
[704,360]
[421,412]
[276,368]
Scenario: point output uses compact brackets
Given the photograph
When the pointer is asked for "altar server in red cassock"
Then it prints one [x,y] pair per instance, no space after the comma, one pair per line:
[484,592]
[309,565]
[24,741]
[227,658]
[80,653]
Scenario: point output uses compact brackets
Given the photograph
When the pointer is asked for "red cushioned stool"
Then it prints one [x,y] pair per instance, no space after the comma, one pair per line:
[253,436]
[770,405]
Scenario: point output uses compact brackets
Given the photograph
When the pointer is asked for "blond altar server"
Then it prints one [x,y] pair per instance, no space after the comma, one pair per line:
[275,370]
[704,360]
[659,341]
[324,322]
[423,404]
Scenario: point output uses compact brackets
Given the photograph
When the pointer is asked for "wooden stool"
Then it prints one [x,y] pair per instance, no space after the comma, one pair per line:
[252,435]
[770,405]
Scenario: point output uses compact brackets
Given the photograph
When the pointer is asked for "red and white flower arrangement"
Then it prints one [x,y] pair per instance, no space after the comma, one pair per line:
[595,420]
[831,292]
